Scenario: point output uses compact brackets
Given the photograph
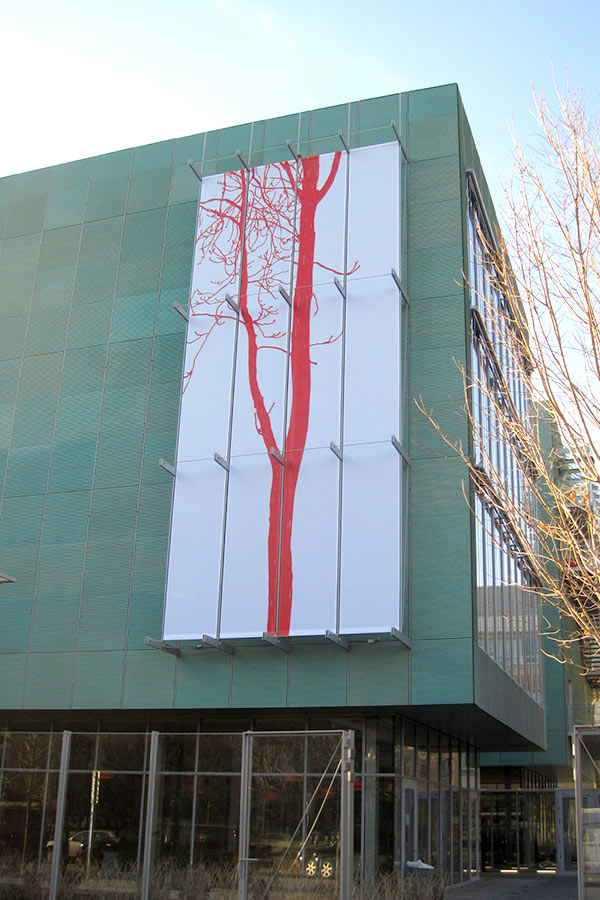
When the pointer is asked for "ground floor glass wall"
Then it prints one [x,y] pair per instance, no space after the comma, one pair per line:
[415,797]
[518,830]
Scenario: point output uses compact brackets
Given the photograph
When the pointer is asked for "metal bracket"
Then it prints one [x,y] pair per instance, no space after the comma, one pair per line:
[235,306]
[398,447]
[344,144]
[399,139]
[209,642]
[167,466]
[194,170]
[398,283]
[337,639]
[296,156]
[340,287]
[222,462]
[285,295]
[162,645]
[277,455]
[182,312]
[276,641]
[401,637]
[335,449]
[238,153]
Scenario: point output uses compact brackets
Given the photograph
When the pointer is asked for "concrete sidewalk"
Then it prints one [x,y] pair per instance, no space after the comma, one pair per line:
[511,887]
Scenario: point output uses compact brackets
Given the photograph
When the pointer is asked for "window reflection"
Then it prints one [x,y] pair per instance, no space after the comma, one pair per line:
[508,624]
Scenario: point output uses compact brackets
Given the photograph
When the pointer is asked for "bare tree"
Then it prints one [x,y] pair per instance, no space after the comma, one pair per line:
[536,319]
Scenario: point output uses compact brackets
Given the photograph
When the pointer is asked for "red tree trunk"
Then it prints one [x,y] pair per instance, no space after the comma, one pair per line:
[284,479]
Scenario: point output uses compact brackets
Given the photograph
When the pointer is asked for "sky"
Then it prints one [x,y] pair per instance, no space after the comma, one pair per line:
[82,78]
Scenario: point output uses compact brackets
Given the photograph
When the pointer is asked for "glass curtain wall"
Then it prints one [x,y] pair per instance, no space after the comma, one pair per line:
[416,795]
[507,604]
[518,830]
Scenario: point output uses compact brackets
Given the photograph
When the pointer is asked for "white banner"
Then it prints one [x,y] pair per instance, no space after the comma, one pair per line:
[282,362]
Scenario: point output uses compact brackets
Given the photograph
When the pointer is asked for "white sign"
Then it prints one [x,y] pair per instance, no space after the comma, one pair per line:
[292,378]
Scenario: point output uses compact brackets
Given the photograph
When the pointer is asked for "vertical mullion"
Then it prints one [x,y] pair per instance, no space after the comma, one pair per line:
[338,599]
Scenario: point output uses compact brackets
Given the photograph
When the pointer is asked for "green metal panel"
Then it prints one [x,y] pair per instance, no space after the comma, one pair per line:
[184,186]
[435,274]
[98,679]
[113,514]
[433,137]
[21,521]
[16,617]
[318,676]
[203,680]
[259,677]
[61,567]
[95,281]
[66,517]
[68,194]
[12,336]
[108,567]
[149,190]
[43,691]
[72,465]
[378,674]
[27,471]
[190,147]
[12,672]
[89,325]
[439,544]
[107,198]
[278,131]
[437,101]
[451,418]
[134,317]
[441,606]
[145,616]
[149,568]
[29,202]
[154,510]
[101,239]
[149,679]
[152,156]
[442,671]
[54,624]
[504,699]
[103,618]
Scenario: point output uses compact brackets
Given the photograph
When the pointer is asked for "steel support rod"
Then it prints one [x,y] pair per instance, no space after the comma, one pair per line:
[150,818]
[244,836]
[60,814]
[347,817]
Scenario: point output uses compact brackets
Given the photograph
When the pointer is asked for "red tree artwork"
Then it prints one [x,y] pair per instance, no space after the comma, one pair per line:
[256,235]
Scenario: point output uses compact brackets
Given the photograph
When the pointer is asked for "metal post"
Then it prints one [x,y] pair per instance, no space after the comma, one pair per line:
[60,814]
[150,817]
[347,817]
[578,814]
[244,836]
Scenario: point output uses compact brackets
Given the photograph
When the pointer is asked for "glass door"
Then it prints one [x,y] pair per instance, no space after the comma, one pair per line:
[410,822]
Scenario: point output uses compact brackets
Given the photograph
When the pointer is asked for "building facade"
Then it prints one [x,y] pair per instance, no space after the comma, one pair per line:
[416,634]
